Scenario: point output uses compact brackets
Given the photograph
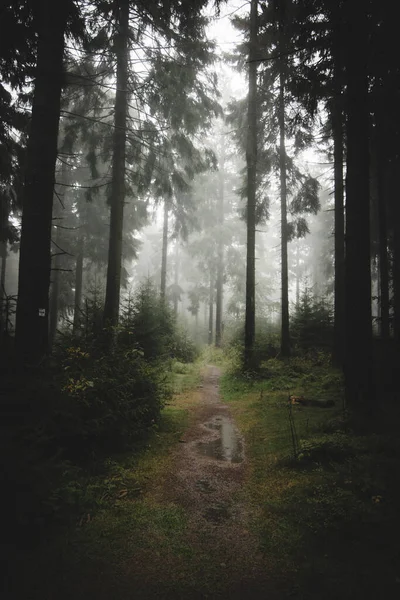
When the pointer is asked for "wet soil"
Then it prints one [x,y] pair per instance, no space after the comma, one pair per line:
[211,549]
[206,479]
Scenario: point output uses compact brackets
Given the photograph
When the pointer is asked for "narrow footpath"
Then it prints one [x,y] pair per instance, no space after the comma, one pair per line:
[206,479]
[191,534]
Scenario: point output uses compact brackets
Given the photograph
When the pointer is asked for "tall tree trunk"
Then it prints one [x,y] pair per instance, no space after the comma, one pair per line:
[336,111]
[3,249]
[297,273]
[3,315]
[251,160]
[176,279]
[164,252]
[383,268]
[339,307]
[220,264]
[111,305]
[285,334]
[196,337]
[32,319]
[62,176]
[358,341]
[78,283]
[396,253]
[55,289]
[211,310]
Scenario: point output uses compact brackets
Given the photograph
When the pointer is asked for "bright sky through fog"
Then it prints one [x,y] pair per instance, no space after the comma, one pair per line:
[221,28]
[226,37]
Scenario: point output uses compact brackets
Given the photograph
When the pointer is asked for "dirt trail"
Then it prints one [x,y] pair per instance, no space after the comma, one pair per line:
[205,547]
[206,479]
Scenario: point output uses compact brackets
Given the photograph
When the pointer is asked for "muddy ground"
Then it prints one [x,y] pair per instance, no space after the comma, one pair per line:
[206,478]
[213,550]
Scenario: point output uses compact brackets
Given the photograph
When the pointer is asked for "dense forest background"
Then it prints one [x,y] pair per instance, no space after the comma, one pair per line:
[160,192]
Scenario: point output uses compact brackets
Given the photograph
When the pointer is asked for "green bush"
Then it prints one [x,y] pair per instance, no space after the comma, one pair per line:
[99,393]
[266,346]
[182,347]
[147,323]
[312,325]
[110,401]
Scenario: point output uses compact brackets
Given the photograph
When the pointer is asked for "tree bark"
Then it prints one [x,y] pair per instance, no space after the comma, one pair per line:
[336,110]
[112,299]
[358,340]
[220,251]
[297,273]
[383,268]
[164,252]
[285,334]
[176,279]
[3,315]
[56,261]
[211,311]
[78,283]
[55,290]
[396,254]
[32,319]
[339,306]
[251,160]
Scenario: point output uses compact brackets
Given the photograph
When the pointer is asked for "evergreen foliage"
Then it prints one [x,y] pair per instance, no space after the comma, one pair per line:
[312,324]
[148,323]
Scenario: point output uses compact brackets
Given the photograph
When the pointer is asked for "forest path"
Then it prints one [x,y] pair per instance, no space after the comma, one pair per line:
[206,479]
[221,557]
[193,534]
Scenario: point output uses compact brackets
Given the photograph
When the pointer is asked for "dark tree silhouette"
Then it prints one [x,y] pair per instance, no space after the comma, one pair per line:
[251,160]
[32,322]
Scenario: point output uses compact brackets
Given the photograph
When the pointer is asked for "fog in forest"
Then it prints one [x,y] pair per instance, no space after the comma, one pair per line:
[194,231]
[199,298]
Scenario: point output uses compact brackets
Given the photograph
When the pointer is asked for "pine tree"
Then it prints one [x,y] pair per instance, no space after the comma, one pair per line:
[251,160]
[117,193]
[220,252]
[164,251]
[34,269]
[337,120]
[358,358]
[281,47]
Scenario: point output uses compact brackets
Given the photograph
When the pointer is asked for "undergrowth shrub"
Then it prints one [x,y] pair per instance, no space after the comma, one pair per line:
[182,347]
[311,325]
[112,399]
[89,400]
[147,323]
[266,346]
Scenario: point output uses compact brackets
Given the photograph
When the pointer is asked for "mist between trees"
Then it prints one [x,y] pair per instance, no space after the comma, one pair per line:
[147,210]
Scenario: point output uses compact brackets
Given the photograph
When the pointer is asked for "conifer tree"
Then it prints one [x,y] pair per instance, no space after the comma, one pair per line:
[251,160]
[220,251]
[117,192]
[358,358]
[34,269]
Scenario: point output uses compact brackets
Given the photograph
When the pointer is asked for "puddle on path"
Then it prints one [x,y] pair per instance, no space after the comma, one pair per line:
[227,446]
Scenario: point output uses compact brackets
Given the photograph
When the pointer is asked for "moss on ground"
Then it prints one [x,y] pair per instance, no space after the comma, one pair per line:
[326,505]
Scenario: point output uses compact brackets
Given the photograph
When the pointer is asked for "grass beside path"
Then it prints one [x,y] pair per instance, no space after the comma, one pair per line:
[113,513]
[329,518]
